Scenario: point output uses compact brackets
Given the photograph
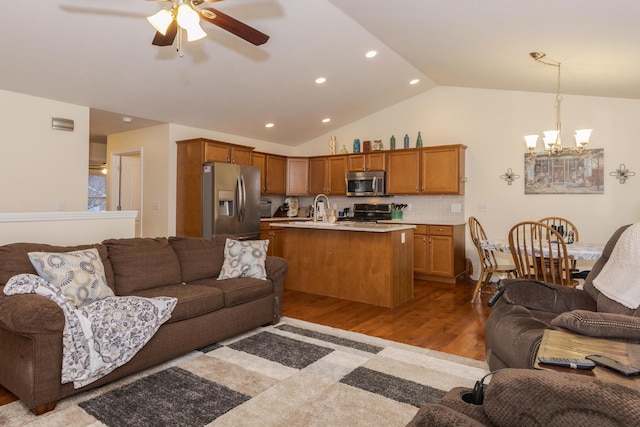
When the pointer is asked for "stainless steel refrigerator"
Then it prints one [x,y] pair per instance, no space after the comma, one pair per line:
[231,200]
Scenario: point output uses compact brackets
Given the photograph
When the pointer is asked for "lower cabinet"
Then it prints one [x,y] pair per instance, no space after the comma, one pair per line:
[274,235]
[438,252]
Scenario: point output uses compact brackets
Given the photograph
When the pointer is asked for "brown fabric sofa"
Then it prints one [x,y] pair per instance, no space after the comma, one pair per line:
[526,397]
[208,310]
[515,326]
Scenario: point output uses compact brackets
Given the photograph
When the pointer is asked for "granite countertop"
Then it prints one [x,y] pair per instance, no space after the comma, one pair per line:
[348,226]
[424,221]
[285,218]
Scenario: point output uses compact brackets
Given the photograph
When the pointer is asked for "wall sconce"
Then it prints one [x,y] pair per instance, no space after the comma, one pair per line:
[61,124]
[509,176]
[622,173]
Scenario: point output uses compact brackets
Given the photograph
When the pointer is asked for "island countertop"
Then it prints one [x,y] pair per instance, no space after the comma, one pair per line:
[346,226]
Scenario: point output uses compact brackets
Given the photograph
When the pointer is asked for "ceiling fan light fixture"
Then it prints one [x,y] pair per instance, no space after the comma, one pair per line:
[190,21]
[161,21]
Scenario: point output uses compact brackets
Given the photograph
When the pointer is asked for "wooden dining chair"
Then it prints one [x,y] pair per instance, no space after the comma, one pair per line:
[488,262]
[540,253]
[567,226]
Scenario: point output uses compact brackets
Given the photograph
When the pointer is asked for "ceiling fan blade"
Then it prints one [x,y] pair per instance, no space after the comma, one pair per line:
[234,26]
[167,39]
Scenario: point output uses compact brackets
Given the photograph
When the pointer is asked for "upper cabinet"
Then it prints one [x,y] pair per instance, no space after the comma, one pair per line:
[273,172]
[373,161]
[222,152]
[297,176]
[429,170]
[327,175]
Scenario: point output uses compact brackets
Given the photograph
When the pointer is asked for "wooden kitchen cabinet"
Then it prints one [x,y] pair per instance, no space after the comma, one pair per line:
[217,151]
[428,170]
[273,172]
[403,171]
[442,170]
[275,237]
[327,175]
[374,161]
[297,176]
[439,252]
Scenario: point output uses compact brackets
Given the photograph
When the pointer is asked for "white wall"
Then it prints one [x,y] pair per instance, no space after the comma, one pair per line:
[492,125]
[42,169]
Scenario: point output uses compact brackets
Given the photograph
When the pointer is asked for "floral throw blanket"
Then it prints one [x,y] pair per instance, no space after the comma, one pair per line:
[102,335]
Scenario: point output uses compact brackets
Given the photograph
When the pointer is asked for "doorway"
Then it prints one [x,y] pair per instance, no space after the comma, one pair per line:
[126,185]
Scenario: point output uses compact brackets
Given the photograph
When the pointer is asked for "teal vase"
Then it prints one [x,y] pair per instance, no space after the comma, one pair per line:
[356,145]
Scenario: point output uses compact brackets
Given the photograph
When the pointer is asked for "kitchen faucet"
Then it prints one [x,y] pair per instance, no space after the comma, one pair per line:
[315,206]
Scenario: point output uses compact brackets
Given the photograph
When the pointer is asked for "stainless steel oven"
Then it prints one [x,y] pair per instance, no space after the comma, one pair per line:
[371,183]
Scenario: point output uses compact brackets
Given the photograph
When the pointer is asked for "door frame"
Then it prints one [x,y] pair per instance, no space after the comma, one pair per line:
[115,176]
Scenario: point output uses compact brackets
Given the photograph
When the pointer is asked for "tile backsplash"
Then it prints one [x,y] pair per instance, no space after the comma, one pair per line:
[431,208]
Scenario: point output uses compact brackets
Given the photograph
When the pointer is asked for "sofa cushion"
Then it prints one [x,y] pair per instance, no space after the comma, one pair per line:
[244,258]
[199,258]
[142,263]
[78,274]
[239,290]
[193,300]
[14,259]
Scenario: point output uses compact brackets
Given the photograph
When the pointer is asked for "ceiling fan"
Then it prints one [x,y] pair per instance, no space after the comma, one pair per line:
[186,14]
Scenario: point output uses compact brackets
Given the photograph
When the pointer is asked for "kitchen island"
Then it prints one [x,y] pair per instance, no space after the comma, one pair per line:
[364,262]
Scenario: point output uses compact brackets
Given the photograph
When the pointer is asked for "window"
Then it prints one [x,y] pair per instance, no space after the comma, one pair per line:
[97,190]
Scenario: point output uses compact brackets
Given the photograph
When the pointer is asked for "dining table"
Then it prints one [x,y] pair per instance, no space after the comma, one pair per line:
[584,251]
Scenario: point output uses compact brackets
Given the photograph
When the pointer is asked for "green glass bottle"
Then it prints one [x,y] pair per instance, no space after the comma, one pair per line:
[419,140]
[392,144]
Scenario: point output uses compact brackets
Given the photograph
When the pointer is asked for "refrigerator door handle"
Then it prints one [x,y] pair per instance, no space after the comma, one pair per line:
[244,197]
[239,200]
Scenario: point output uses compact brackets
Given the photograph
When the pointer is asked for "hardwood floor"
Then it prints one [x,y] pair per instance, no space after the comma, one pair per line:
[439,317]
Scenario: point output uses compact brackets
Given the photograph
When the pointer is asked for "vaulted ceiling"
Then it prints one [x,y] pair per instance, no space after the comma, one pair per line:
[98,54]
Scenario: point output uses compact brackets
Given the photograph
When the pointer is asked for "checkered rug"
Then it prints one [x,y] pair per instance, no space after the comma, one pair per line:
[291,374]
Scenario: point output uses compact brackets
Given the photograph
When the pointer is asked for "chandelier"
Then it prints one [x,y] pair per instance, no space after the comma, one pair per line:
[552,138]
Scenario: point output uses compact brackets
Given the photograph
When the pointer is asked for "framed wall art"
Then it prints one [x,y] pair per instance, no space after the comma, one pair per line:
[565,173]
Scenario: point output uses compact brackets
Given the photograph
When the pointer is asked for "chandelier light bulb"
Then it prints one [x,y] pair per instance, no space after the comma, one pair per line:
[190,21]
[531,141]
[161,21]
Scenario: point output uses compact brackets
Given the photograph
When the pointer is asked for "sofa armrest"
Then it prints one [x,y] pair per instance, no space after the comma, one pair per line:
[436,415]
[601,325]
[536,295]
[277,269]
[30,314]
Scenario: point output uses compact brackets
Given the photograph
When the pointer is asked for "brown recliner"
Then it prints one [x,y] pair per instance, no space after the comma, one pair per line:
[527,397]
[515,326]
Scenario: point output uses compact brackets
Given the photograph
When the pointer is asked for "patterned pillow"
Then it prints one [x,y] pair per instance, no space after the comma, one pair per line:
[79,274]
[244,258]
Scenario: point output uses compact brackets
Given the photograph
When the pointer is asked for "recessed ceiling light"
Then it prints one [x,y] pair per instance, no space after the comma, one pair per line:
[414,81]
[371,54]
[327,120]
[127,119]
[269,125]
[321,80]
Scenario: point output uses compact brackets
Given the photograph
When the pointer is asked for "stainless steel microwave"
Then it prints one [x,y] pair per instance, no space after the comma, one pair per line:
[371,183]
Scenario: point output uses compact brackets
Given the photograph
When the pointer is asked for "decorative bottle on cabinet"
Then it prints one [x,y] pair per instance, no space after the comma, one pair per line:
[392,143]
[419,140]
[356,145]
[406,140]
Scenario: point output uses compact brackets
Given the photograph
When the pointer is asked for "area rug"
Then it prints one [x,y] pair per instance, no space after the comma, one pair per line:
[291,374]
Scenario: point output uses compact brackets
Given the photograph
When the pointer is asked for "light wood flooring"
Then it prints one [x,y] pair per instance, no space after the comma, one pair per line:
[439,317]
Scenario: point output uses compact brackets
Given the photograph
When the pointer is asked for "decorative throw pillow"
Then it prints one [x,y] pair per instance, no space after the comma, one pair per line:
[79,274]
[244,258]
